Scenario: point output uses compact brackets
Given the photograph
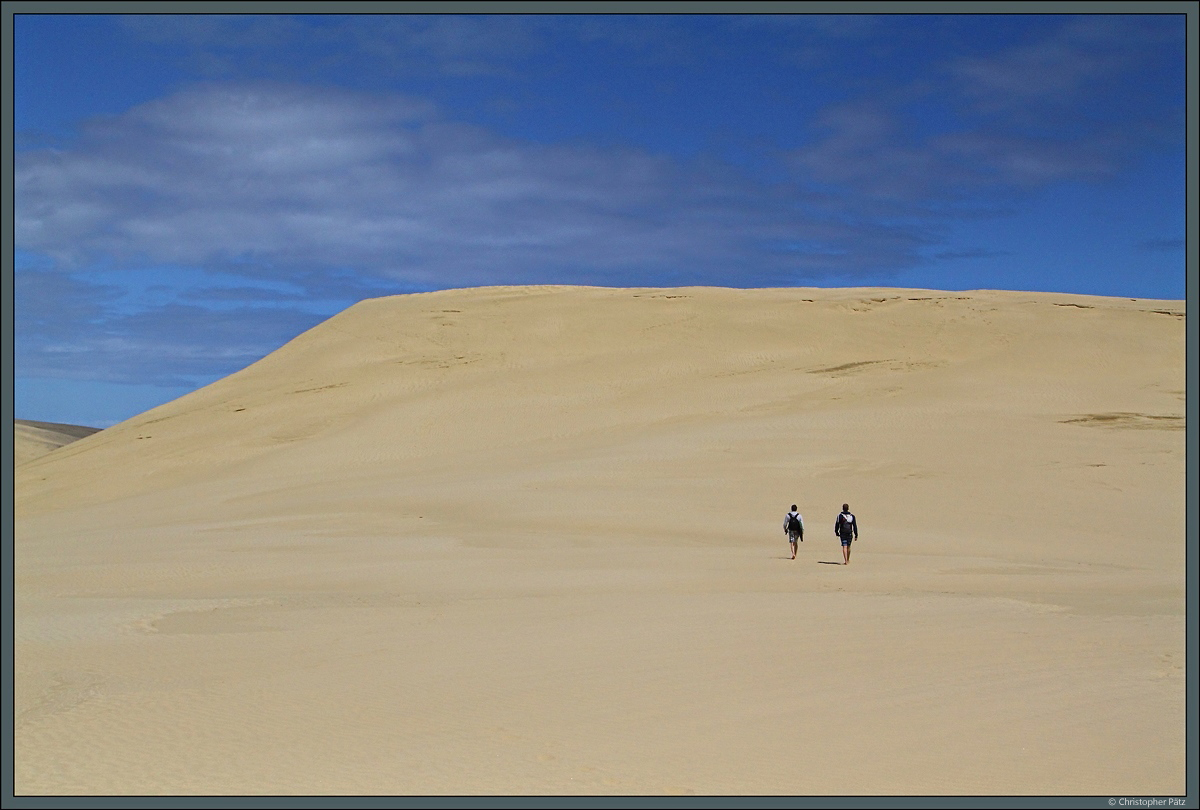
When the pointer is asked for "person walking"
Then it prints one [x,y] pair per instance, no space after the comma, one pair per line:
[846,528]
[793,527]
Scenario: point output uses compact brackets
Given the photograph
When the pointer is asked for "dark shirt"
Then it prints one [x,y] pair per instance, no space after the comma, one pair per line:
[846,528]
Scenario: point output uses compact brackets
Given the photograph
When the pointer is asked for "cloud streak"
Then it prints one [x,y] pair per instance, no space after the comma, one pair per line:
[67,328]
[1063,106]
[270,178]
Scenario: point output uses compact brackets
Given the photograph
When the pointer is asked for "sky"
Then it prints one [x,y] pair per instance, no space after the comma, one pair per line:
[193,191]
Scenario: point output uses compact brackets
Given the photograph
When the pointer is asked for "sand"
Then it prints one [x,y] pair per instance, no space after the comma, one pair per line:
[35,439]
[529,541]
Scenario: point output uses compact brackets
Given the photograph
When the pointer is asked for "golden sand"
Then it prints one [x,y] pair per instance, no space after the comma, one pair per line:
[35,439]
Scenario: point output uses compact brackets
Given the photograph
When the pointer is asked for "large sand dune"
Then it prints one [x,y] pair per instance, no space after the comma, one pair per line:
[528,540]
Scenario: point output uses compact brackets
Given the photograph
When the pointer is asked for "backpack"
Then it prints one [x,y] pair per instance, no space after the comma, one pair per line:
[845,523]
[794,524]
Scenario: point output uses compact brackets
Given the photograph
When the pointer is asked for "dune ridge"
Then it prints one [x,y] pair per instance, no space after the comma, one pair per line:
[35,439]
[528,540]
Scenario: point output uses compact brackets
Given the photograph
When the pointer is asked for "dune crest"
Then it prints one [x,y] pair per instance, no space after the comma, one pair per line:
[35,439]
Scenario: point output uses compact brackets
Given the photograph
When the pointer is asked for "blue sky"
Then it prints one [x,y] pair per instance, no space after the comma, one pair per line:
[193,191]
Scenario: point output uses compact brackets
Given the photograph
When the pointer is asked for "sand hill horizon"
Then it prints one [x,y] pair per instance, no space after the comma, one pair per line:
[525,540]
[33,439]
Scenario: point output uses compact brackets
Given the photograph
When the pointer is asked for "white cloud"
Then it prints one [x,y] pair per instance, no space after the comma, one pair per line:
[283,176]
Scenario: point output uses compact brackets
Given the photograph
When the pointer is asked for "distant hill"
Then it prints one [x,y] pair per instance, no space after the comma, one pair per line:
[35,439]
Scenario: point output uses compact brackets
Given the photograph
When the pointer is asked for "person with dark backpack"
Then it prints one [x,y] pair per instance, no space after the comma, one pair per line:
[846,528]
[793,527]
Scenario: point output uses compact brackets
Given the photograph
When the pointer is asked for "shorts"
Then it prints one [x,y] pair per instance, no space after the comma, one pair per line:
[793,536]
[846,538]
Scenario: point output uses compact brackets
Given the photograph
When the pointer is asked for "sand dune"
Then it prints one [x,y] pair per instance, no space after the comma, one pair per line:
[35,439]
[528,540]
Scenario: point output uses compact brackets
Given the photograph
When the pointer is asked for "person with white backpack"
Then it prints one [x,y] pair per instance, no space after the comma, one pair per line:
[793,527]
[846,528]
